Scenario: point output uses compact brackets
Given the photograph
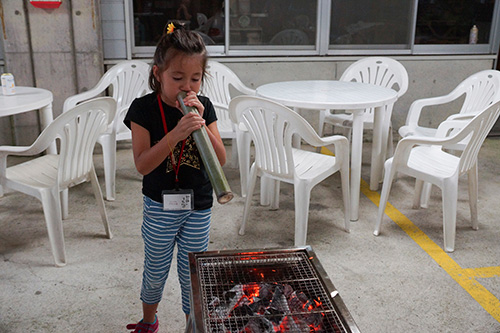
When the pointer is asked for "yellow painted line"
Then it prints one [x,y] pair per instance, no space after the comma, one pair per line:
[466,278]
[326,151]
[482,272]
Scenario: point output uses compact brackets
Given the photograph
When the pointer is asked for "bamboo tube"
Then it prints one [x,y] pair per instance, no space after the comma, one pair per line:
[209,158]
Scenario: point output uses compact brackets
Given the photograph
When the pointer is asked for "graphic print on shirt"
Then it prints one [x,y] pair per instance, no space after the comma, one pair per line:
[190,155]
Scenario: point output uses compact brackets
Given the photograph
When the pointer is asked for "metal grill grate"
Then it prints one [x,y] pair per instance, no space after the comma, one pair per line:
[219,274]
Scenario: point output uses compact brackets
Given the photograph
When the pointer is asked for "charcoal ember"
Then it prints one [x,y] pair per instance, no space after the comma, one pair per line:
[215,302]
[288,290]
[313,319]
[259,325]
[266,291]
[274,315]
[292,324]
[234,293]
[243,311]
[259,306]
[297,301]
[279,301]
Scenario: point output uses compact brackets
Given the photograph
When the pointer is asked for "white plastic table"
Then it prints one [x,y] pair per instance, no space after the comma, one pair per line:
[354,97]
[29,99]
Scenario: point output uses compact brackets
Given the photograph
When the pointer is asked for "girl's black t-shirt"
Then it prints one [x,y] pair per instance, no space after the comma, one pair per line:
[145,112]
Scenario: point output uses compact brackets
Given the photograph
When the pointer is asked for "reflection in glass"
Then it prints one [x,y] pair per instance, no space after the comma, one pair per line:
[451,21]
[368,22]
[273,22]
[204,16]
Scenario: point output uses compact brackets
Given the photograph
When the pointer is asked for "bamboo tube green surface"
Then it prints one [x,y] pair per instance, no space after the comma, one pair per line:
[209,158]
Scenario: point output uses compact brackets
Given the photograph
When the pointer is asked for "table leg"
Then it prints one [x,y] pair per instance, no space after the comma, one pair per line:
[356,154]
[296,140]
[46,117]
[378,139]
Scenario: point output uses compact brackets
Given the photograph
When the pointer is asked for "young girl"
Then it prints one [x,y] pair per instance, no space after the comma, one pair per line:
[166,155]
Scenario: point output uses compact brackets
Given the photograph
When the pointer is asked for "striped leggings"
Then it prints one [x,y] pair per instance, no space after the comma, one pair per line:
[161,230]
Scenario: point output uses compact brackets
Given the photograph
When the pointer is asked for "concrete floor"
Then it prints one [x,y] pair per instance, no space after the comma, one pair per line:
[389,283]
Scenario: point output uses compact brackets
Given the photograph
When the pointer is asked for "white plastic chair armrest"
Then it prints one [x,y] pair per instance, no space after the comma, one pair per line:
[14,150]
[406,144]
[416,107]
[340,142]
[245,90]
[43,141]
[72,101]
[461,116]
[220,106]
[450,126]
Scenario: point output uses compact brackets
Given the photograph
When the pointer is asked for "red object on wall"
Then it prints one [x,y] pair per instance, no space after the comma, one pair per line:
[46,4]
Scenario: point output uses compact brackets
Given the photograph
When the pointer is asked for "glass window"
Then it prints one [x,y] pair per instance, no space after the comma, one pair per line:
[278,23]
[204,16]
[365,23]
[454,21]
[319,27]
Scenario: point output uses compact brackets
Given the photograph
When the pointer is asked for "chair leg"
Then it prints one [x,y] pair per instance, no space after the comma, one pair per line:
[266,186]
[302,196]
[417,194]
[472,178]
[64,203]
[100,202]
[384,196]
[243,143]
[450,197]
[426,195]
[344,176]
[275,194]
[108,143]
[251,186]
[53,219]
[234,153]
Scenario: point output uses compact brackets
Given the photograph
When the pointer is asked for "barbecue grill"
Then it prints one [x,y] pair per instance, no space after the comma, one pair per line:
[261,291]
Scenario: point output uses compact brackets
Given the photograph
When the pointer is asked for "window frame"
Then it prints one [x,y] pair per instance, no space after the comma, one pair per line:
[322,47]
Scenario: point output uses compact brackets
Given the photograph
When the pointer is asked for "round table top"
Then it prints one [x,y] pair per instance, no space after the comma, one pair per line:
[25,99]
[327,94]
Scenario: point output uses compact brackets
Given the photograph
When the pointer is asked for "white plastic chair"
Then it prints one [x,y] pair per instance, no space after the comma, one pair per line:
[218,85]
[479,89]
[49,176]
[426,159]
[127,80]
[271,126]
[380,71]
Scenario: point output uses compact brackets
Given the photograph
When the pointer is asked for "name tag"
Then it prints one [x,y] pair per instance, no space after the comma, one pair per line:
[178,200]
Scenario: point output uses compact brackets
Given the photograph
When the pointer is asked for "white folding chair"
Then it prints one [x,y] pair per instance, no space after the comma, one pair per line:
[220,85]
[127,81]
[271,127]
[426,159]
[49,177]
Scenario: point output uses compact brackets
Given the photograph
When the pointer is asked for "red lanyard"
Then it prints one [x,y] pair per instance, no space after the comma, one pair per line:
[176,168]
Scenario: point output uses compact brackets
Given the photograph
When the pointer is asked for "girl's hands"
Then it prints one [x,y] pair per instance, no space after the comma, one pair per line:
[188,123]
[192,100]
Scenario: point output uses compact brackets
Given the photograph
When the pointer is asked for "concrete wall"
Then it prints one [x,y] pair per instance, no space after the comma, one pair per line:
[428,77]
[56,49]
